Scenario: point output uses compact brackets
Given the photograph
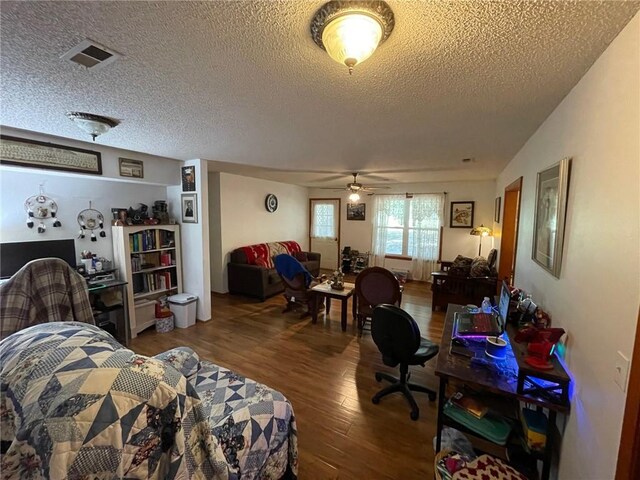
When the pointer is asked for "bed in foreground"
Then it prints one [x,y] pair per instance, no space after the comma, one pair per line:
[77,404]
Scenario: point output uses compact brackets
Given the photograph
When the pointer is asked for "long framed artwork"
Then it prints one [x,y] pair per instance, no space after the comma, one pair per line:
[34,154]
[461,215]
[552,188]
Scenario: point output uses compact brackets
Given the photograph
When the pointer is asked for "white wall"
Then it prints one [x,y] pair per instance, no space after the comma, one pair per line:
[597,295]
[196,277]
[215,236]
[456,241]
[245,221]
[72,193]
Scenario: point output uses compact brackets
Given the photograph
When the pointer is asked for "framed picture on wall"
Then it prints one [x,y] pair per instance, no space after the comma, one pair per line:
[131,168]
[34,154]
[189,178]
[496,212]
[189,208]
[356,211]
[552,187]
[461,215]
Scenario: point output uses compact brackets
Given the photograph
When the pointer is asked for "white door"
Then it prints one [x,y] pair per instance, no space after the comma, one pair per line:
[325,231]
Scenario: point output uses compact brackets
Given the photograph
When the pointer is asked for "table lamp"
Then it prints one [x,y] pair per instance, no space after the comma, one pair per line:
[481,231]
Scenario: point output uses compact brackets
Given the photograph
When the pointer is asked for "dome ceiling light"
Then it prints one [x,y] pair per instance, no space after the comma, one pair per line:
[92,124]
[350,31]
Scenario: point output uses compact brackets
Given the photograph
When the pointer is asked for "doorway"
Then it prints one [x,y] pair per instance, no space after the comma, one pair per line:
[509,240]
[324,230]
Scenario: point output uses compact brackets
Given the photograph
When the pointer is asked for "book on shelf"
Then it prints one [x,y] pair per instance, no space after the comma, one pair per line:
[165,260]
[469,404]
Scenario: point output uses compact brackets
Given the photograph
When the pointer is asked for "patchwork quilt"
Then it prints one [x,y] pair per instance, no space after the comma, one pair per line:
[76,404]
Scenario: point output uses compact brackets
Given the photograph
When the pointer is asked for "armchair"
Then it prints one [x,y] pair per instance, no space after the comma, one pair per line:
[464,281]
[375,286]
[297,294]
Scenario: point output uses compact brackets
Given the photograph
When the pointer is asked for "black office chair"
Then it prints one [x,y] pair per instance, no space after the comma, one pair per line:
[397,336]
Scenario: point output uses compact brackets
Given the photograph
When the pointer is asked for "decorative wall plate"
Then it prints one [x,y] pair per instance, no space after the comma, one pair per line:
[271,203]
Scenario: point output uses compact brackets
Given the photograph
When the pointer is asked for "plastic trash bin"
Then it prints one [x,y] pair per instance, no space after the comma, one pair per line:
[183,307]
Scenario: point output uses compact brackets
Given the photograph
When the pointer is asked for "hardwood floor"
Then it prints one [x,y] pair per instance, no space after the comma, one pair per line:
[328,375]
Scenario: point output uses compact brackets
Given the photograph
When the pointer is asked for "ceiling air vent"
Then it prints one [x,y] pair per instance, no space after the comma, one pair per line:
[90,54]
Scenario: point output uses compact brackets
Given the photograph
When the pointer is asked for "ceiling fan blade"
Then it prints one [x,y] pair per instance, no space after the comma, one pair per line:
[369,188]
[330,179]
[375,177]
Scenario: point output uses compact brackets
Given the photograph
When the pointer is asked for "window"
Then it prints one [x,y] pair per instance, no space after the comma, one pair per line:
[323,221]
[408,226]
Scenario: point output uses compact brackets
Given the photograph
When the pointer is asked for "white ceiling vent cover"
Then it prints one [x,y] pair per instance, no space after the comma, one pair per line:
[91,55]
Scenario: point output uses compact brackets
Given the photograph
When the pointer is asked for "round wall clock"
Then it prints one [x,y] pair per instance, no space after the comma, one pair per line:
[271,203]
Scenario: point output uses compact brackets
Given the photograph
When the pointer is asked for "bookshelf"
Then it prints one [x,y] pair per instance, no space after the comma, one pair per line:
[148,258]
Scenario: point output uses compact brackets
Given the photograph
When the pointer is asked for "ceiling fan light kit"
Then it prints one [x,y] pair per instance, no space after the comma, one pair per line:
[350,31]
[92,124]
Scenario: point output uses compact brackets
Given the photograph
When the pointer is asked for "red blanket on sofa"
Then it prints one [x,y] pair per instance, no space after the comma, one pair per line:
[262,253]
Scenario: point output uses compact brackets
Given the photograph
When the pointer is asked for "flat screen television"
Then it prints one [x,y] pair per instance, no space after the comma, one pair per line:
[14,255]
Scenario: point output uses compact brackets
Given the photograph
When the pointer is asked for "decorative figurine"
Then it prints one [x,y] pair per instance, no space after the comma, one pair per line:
[337,280]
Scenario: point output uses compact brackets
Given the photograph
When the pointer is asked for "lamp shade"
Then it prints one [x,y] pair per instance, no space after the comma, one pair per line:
[92,124]
[481,231]
[352,38]
[354,197]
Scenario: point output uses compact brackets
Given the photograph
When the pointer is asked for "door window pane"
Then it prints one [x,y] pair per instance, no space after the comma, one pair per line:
[323,221]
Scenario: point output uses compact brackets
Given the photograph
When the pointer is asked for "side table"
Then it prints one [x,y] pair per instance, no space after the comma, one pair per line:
[325,290]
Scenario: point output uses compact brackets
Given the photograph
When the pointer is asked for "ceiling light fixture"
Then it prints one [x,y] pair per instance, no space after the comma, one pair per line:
[350,31]
[354,197]
[94,125]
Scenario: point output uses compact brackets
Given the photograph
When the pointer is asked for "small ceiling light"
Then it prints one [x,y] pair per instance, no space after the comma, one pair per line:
[354,197]
[351,31]
[94,125]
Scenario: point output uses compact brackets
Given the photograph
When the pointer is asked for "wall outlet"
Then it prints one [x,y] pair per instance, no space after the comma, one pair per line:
[622,371]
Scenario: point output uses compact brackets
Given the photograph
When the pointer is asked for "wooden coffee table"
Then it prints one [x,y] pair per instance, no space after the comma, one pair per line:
[325,290]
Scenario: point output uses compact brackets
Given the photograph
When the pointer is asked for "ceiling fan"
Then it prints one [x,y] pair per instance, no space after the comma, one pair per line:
[355,188]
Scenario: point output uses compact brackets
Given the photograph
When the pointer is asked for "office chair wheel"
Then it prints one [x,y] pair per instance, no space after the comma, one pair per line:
[375,400]
[432,397]
[378,378]
[414,415]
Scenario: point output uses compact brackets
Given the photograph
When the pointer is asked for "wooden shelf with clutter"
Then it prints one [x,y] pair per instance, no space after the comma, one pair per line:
[148,258]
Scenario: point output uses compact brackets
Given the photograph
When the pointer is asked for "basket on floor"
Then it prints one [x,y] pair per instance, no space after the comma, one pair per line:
[164,325]
[439,456]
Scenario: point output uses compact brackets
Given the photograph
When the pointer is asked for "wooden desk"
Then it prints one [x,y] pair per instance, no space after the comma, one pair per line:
[458,368]
[117,314]
[325,290]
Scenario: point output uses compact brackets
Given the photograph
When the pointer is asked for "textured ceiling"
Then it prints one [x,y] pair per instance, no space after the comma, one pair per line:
[243,83]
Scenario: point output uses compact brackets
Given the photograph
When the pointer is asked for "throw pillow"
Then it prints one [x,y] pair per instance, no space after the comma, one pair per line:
[460,266]
[301,256]
[479,268]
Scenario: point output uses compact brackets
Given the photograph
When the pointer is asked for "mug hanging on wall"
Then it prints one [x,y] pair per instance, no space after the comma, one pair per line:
[40,207]
[91,219]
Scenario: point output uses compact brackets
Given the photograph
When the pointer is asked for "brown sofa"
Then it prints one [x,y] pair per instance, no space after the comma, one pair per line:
[250,269]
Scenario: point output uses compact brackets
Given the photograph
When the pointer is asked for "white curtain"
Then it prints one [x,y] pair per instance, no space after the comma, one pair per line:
[388,210]
[425,219]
